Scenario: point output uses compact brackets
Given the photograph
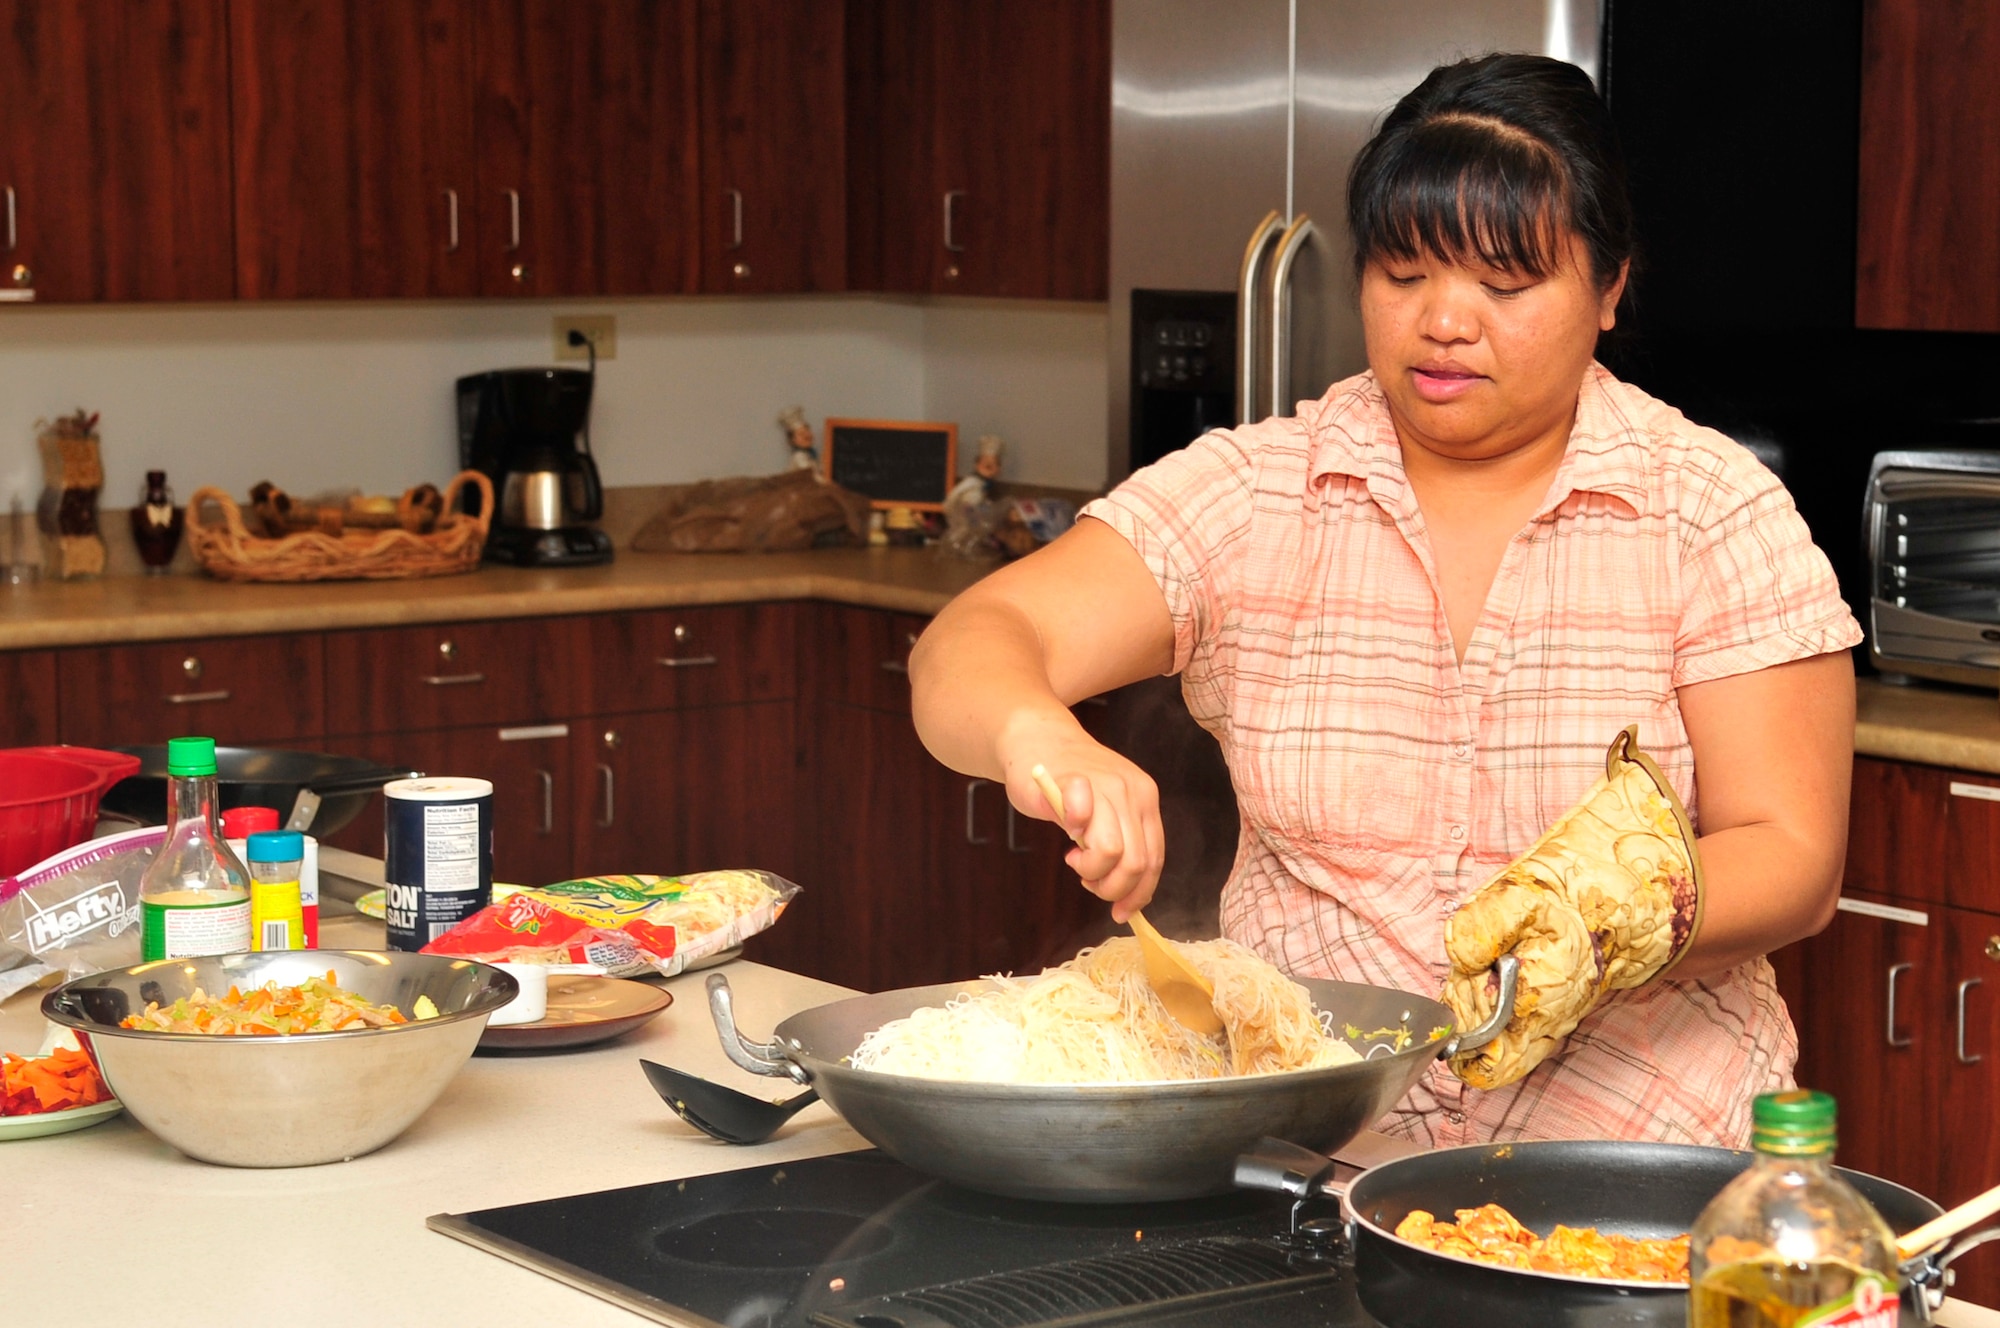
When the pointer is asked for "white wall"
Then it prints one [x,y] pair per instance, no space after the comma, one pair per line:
[322,395]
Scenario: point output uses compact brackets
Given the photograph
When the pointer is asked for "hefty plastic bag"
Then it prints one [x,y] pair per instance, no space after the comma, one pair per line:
[75,913]
[625,925]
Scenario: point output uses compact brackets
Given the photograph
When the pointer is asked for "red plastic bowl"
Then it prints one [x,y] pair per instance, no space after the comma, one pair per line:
[48,799]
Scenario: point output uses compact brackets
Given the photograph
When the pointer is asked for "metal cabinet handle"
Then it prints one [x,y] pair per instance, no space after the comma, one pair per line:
[453,679]
[1895,971]
[686,661]
[735,218]
[610,803]
[13,234]
[548,802]
[1014,845]
[951,197]
[196,698]
[1294,239]
[451,224]
[972,787]
[1248,282]
[513,219]
[1963,988]
[895,666]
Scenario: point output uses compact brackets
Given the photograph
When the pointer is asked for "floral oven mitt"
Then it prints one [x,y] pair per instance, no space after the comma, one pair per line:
[1609,898]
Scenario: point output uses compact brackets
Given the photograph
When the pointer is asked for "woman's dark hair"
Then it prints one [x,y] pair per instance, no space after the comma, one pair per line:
[1498,159]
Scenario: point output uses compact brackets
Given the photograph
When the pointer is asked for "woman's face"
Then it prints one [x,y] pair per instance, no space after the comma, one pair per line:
[1478,362]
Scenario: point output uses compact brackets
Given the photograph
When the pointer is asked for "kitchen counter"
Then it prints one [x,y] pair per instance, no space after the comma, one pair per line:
[1945,726]
[114,1226]
[140,608]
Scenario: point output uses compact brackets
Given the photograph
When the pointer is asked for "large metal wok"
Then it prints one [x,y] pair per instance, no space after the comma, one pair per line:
[336,787]
[1108,1143]
[1632,1188]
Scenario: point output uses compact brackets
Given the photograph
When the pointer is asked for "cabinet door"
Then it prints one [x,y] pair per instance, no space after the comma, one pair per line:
[668,659]
[1928,241]
[353,147]
[585,127]
[529,767]
[114,150]
[240,690]
[687,790]
[893,205]
[1864,994]
[397,678]
[27,698]
[1023,147]
[1966,1140]
[1923,832]
[772,113]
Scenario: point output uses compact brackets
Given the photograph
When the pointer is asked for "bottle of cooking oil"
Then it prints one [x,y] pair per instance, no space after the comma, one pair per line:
[1789,1244]
[194,898]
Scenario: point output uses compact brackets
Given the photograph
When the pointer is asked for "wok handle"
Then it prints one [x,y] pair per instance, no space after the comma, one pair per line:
[765,1058]
[1286,1168]
[1473,1039]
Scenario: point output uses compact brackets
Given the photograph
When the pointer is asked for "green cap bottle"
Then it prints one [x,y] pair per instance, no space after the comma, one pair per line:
[1795,1123]
[190,757]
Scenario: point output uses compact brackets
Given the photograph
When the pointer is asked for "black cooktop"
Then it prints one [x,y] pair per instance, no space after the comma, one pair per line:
[861,1241]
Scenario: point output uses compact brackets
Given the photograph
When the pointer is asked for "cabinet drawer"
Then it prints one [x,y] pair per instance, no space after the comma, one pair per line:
[673,658]
[242,689]
[442,677]
[1921,832]
[860,656]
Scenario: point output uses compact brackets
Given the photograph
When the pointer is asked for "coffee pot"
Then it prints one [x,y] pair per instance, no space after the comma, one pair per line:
[528,431]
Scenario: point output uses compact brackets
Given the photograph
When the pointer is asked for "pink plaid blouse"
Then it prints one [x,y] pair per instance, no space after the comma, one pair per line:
[1380,780]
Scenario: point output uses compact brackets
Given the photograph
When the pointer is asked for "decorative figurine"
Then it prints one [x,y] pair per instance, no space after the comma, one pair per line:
[970,512]
[72,476]
[156,523]
[799,437]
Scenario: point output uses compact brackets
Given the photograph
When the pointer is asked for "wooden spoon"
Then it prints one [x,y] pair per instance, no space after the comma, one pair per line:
[1188,996]
[1969,1213]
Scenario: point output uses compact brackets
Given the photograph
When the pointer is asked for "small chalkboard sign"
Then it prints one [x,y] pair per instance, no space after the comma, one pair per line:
[897,463]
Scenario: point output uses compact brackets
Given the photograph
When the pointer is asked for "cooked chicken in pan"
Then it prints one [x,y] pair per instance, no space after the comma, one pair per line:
[1490,1234]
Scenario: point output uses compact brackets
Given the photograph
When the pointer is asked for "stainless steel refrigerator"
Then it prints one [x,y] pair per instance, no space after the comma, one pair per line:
[1233,123]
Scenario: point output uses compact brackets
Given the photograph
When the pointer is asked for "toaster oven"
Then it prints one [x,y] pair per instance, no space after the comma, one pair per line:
[1931,527]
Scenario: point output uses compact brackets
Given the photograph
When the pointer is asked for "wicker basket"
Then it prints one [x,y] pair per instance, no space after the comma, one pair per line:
[230,552]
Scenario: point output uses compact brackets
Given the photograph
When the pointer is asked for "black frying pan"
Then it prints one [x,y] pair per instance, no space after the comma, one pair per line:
[1635,1189]
[261,777]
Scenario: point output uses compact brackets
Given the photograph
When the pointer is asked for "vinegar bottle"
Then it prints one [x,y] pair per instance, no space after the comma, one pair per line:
[194,898]
[1789,1244]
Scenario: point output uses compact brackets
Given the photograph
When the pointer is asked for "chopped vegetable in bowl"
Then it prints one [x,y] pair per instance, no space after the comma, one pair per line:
[317,1005]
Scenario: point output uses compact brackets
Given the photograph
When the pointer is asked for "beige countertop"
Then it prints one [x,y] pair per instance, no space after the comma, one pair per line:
[141,608]
[1935,725]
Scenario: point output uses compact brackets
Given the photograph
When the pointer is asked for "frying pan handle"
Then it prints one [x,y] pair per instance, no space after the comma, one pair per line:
[1472,1039]
[765,1058]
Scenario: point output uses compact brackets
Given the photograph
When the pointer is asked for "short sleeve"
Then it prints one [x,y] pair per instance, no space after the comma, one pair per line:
[1186,514]
[1757,592]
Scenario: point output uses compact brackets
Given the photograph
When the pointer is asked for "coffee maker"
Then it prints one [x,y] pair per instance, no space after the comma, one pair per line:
[528,431]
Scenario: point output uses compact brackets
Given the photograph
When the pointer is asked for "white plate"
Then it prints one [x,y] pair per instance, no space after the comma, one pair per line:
[57,1122]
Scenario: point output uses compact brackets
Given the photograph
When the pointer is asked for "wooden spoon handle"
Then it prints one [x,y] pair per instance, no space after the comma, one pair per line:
[1969,1213]
[1046,782]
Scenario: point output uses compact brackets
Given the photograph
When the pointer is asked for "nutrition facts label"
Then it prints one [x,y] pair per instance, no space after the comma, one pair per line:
[451,846]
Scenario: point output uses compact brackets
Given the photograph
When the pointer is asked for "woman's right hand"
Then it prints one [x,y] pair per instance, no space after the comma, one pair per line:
[1111,808]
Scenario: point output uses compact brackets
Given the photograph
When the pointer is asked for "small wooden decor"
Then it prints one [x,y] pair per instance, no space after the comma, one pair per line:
[229,551]
[896,463]
[72,476]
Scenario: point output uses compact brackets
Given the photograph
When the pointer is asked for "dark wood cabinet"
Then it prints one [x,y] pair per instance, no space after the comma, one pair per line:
[979,147]
[773,138]
[401,678]
[241,691]
[114,150]
[1928,243]
[586,141]
[1966,1134]
[353,148]
[28,698]
[670,658]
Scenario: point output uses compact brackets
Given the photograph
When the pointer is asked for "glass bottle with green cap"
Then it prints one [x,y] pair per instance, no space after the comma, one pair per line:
[194,898]
[1789,1244]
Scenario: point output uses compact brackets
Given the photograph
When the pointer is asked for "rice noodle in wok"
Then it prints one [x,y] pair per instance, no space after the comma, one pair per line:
[1095,1020]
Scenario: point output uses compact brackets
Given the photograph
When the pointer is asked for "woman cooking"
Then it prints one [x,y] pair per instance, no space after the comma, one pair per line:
[1413,613]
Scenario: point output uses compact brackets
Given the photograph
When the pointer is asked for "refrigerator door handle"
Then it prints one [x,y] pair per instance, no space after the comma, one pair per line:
[1247,284]
[1294,239]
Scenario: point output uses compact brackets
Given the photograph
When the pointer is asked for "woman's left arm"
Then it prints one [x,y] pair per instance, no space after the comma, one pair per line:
[1773,758]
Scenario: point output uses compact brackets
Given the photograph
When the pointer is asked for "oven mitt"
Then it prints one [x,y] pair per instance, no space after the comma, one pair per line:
[1609,898]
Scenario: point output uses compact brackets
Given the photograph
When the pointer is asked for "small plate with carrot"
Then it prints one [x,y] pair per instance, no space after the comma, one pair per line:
[51,1094]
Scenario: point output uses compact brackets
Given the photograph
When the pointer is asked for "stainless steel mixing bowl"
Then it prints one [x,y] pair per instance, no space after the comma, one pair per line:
[283,1101]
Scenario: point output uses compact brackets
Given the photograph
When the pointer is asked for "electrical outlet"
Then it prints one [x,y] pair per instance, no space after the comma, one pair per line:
[600,329]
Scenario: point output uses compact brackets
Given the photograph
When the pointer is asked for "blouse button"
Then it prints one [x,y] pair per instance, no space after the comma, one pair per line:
[1461,750]
[1456,832]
